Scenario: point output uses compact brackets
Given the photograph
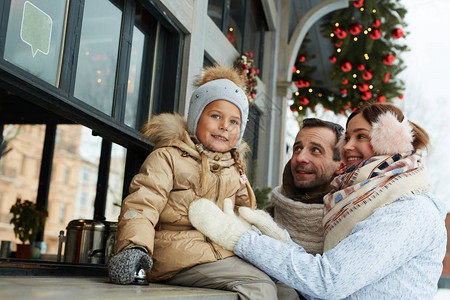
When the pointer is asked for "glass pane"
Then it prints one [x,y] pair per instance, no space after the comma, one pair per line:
[236,23]
[134,77]
[97,57]
[115,184]
[19,171]
[255,32]
[34,35]
[215,11]
[74,180]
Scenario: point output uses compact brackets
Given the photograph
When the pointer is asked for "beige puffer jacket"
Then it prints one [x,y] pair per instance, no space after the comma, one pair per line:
[155,213]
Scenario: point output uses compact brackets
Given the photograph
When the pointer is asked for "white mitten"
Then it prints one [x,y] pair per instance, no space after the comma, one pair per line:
[222,227]
[264,222]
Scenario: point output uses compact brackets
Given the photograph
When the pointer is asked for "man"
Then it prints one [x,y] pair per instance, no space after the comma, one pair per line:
[297,203]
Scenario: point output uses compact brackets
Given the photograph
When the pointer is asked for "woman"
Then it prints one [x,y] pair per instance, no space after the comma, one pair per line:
[385,234]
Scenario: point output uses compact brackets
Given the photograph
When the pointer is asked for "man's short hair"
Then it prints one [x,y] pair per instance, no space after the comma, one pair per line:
[336,128]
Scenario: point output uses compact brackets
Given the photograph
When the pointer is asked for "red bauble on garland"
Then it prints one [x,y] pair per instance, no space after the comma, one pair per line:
[344,91]
[400,96]
[389,59]
[386,77]
[304,101]
[358,4]
[302,58]
[333,59]
[302,83]
[363,87]
[338,44]
[355,28]
[346,66]
[381,99]
[375,34]
[366,95]
[294,69]
[376,23]
[342,34]
[361,67]
[345,81]
[397,33]
[367,75]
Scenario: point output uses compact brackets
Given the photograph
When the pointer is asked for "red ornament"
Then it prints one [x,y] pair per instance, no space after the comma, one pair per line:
[342,112]
[376,23]
[363,87]
[257,71]
[342,34]
[400,96]
[355,28]
[358,4]
[253,95]
[333,59]
[338,44]
[397,33]
[302,58]
[366,95]
[381,99]
[345,81]
[245,67]
[353,109]
[337,30]
[367,75]
[361,67]
[250,54]
[347,106]
[304,101]
[294,69]
[389,59]
[346,66]
[344,91]
[375,34]
[386,77]
[292,108]
[230,36]
[302,83]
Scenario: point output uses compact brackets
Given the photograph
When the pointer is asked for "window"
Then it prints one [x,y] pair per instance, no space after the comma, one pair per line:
[243,22]
[34,37]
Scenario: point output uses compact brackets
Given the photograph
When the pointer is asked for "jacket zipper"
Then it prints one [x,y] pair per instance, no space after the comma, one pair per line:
[217,253]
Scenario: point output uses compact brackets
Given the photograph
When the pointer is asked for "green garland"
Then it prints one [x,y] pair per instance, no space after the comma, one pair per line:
[366,38]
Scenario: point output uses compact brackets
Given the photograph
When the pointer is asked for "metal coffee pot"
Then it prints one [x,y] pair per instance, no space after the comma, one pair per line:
[86,241]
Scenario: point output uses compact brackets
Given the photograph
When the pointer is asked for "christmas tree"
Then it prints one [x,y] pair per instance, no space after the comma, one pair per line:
[366,38]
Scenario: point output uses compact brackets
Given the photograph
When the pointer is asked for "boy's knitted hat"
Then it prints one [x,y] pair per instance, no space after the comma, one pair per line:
[217,83]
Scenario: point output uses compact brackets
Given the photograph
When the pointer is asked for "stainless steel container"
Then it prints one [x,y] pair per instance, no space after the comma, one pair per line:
[84,242]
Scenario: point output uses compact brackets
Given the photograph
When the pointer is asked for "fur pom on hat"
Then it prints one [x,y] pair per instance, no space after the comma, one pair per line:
[218,82]
[389,136]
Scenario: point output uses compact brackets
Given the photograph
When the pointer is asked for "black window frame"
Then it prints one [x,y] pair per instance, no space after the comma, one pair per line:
[59,106]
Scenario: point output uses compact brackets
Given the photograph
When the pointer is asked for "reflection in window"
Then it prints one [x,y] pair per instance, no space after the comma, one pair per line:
[34,35]
[236,23]
[14,183]
[215,11]
[97,57]
[134,77]
[115,185]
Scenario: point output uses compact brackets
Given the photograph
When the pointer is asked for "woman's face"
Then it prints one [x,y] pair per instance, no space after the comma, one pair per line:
[357,145]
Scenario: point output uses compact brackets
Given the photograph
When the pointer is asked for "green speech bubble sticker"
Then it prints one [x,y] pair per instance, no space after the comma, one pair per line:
[36,29]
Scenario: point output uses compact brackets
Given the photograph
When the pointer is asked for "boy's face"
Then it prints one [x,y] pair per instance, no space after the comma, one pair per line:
[219,126]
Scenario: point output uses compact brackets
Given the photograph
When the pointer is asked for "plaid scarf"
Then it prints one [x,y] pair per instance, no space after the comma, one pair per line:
[366,186]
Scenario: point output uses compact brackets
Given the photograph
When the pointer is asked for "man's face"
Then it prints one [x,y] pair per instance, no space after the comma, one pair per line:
[312,163]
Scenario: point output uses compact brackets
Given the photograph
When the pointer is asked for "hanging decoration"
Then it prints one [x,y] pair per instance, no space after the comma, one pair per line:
[245,65]
[367,41]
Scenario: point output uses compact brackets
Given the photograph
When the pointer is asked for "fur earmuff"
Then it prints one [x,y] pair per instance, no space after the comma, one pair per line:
[389,136]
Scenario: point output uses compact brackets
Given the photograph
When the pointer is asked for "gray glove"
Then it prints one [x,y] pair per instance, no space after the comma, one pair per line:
[123,266]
